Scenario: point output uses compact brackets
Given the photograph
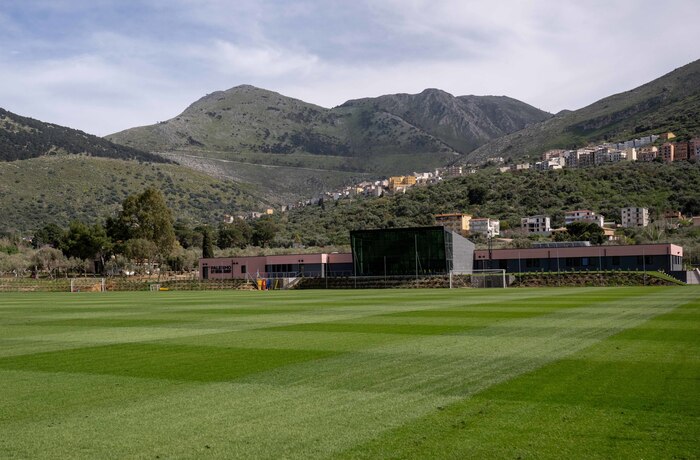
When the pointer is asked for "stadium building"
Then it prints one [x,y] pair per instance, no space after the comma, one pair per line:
[410,251]
[435,250]
[278,266]
[554,257]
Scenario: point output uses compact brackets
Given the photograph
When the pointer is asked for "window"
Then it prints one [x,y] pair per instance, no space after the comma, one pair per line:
[243,269]
[530,263]
[220,269]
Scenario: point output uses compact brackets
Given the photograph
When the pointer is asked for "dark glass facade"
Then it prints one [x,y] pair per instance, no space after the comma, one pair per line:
[409,251]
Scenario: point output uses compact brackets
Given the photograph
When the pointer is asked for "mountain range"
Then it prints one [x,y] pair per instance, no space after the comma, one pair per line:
[245,119]
[254,135]
[251,147]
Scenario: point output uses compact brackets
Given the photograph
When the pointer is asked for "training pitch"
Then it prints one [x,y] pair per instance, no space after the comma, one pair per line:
[491,373]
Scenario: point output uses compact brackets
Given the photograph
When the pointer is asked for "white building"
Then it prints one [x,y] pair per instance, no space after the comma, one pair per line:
[635,217]
[536,224]
[583,215]
[485,226]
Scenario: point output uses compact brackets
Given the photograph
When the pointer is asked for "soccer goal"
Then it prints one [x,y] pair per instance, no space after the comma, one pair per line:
[491,278]
[87,285]
[488,278]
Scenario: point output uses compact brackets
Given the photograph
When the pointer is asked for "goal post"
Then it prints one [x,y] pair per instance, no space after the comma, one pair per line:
[489,278]
[485,278]
[87,285]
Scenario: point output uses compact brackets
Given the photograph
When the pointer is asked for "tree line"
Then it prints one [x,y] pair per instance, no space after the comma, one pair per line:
[141,238]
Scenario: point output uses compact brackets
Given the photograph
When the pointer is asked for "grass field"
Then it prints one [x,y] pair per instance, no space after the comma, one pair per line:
[509,373]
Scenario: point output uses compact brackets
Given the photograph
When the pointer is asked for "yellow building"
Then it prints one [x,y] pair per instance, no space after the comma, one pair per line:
[396,182]
[457,222]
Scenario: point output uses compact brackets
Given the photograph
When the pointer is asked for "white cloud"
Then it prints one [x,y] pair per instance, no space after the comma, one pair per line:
[243,61]
[553,55]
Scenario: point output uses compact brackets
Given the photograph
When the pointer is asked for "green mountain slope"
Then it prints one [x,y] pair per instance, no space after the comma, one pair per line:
[60,188]
[669,103]
[22,138]
[463,122]
[388,135]
[509,197]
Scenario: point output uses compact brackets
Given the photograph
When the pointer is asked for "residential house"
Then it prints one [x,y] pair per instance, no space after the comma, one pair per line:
[681,151]
[452,171]
[457,222]
[583,215]
[401,182]
[554,153]
[667,152]
[694,149]
[485,226]
[633,216]
[647,153]
[536,224]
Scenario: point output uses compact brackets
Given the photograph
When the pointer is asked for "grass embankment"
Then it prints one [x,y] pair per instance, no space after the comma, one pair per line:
[577,372]
[595,278]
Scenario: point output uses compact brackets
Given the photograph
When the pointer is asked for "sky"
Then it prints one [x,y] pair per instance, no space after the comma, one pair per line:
[102,66]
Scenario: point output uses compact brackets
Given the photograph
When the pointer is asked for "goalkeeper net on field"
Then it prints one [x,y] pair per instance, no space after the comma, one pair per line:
[87,285]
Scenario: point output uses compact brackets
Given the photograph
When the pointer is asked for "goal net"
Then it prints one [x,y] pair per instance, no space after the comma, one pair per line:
[492,278]
[87,285]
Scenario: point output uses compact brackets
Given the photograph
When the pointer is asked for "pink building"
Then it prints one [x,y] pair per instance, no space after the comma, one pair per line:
[277,266]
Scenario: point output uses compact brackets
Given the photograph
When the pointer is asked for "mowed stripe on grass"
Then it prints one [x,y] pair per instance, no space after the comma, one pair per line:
[348,373]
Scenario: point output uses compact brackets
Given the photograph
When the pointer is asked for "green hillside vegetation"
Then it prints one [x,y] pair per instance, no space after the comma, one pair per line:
[61,188]
[508,197]
[670,103]
[384,136]
[22,138]
[464,122]
[279,180]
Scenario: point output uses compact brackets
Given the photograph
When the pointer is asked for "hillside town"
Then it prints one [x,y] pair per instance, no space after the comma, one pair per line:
[643,149]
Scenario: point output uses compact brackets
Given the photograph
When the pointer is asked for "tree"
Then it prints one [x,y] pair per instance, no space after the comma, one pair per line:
[50,235]
[584,231]
[207,244]
[86,243]
[264,231]
[49,259]
[187,236]
[146,216]
[141,251]
[236,234]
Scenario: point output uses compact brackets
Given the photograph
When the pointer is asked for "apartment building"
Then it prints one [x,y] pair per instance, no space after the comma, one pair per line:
[452,171]
[681,151]
[456,222]
[555,153]
[694,149]
[401,182]
[647,153]
[583,215]
[667,152]
[536,224]
[635,217]
[485,226]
